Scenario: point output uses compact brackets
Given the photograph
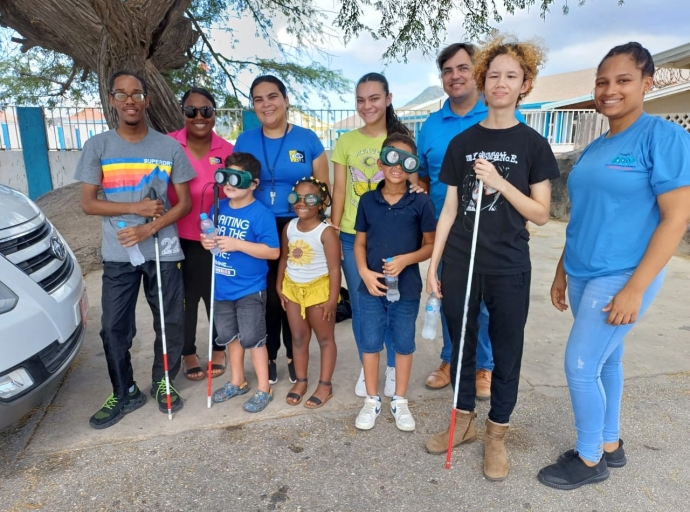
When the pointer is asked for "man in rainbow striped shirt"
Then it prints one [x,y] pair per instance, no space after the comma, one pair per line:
[128,163]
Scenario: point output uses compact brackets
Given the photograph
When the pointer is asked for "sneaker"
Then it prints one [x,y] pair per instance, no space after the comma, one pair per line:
[272,372]
[229,391]
[259,401]
[291,372]
[403,417]
[361,387]
[366,419]
[389,388]
[614,459]
[158,392]
[114,410]
[570,472]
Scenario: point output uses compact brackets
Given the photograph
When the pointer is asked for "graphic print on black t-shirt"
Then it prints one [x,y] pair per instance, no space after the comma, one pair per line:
[523,158]
[492,199]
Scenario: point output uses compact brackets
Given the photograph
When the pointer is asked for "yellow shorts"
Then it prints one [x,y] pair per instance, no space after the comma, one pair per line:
[307,294]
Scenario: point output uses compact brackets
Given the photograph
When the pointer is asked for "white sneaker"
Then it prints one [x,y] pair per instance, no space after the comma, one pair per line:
[389,388]
[361,387]
[403,417]
[366,419]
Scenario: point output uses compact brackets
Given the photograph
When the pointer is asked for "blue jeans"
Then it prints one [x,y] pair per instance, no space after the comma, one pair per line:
[398,317]
[485,357]
[594,360]
[353,280]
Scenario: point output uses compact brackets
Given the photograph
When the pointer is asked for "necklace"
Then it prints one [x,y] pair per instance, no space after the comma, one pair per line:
[272,168]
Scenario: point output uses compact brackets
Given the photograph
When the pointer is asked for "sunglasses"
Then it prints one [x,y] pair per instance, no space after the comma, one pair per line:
[137,97]
[234,178]
[310,200]
[206,112]
[391,157]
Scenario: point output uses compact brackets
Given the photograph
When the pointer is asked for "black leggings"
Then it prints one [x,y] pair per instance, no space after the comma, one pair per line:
[196,273]
[276,317]
[507,300]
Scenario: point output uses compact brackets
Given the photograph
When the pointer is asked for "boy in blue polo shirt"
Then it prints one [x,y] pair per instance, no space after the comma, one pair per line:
[395,231]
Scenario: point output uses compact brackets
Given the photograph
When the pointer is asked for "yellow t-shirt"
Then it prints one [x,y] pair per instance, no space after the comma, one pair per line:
[358,153]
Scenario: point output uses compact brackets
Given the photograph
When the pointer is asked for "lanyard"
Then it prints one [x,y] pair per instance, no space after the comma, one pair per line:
[272,168]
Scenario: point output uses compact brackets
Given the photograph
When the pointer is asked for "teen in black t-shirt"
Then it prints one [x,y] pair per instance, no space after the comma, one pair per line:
[515,164]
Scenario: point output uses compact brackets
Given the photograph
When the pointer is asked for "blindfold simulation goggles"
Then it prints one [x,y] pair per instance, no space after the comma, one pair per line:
[190,112]
[391,157]
[310,200]
[234,178]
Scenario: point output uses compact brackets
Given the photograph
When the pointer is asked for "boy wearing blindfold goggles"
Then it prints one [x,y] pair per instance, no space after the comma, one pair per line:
[395,232]
[247,237]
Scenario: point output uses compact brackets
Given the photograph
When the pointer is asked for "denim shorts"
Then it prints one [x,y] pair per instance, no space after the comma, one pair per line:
[243,318]
[377,313]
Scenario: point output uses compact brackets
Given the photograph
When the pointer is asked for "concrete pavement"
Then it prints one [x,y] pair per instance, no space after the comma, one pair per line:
[290,458]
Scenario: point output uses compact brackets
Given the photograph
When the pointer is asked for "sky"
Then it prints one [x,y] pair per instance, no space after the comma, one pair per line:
[575,41]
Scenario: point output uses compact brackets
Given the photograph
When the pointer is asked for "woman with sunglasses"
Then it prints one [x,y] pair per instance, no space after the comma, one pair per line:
[287,153]
[207,152]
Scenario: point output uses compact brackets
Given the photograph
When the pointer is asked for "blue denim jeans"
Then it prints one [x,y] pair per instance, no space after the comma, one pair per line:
[485,357]
[594,360]
[352,279]
[398,317]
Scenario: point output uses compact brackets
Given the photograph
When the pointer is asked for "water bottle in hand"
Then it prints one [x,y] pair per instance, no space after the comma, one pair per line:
[135,256]
[209,231]
[392,294]
[431,314]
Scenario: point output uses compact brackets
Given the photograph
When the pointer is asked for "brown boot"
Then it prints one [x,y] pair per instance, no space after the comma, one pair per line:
[483,384]
[439,378]
[464,433]
[495,456]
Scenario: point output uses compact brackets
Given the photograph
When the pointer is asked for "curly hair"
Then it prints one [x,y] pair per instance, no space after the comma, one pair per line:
[324,193]
[531,55]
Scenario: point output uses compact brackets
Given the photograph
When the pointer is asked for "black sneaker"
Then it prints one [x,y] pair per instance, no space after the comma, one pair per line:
[272,372]
[114,409]
[570,472]
[158,392]
[616,458]
[291,372]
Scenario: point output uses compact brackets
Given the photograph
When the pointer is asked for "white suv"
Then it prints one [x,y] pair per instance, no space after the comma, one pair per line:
[43,306]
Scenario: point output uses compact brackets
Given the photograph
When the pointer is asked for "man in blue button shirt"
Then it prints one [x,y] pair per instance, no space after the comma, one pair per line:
[463,108]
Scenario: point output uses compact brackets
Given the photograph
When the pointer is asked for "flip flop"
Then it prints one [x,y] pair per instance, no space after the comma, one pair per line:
[296,396]
[215,366]
[318,403]
[190,371]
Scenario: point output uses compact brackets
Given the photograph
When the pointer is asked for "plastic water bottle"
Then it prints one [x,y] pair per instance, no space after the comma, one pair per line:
[209,231]
[431,314]
[135,256]
[392,294]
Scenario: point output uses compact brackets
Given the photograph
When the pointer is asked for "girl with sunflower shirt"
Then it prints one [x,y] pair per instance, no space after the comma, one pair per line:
[309,287]
[355,173]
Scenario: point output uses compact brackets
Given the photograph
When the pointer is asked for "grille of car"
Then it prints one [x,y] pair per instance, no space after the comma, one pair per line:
[56,353]
[33,253]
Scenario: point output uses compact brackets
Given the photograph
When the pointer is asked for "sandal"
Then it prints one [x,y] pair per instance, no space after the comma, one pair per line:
[188,372]
[215,366]
[296,396]
[317,402]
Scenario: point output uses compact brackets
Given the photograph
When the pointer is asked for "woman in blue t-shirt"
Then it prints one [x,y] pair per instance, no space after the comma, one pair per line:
[630,197]
[287,154]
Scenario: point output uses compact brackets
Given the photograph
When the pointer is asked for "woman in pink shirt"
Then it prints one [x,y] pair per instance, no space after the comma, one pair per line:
[206,152]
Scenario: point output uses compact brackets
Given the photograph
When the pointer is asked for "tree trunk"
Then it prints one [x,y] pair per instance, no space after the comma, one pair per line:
[141,36]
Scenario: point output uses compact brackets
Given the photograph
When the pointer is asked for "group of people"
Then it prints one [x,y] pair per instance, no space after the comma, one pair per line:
[394,202]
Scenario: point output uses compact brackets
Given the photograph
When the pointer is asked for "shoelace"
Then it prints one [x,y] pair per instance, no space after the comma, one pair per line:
[110,402]
[161,388]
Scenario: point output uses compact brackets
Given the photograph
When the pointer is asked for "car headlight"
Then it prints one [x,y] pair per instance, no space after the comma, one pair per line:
[7,299]
[14,383]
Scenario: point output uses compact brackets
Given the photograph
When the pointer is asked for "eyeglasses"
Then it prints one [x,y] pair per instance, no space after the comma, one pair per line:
[391,157]
[310,200]
[137,97]
[206,112]
[234,178]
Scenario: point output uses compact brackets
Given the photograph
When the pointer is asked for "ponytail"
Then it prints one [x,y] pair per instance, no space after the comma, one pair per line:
[393,123]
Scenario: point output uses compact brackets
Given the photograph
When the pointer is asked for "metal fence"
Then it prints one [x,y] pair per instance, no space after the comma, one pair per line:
[67,128]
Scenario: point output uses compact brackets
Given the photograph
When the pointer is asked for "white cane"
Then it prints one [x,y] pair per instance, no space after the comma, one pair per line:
[209,369]
[475,231]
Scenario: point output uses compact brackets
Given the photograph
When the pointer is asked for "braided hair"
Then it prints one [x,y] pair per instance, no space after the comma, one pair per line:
[324,193]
